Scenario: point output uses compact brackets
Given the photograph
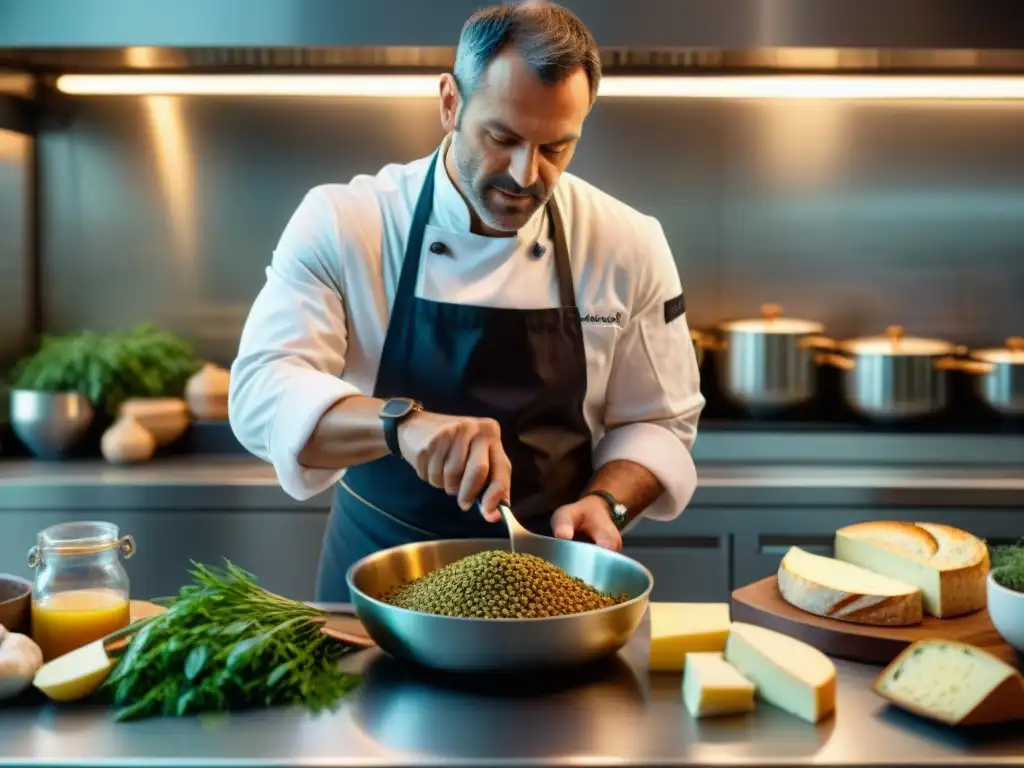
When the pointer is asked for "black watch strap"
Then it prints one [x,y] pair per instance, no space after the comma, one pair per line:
[617,510]
[392,413]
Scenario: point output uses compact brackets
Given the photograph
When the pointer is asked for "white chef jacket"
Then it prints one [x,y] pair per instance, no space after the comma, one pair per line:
[316,330]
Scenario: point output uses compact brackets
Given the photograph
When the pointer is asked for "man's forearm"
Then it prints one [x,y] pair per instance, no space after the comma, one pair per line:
[349,433]
[632,485]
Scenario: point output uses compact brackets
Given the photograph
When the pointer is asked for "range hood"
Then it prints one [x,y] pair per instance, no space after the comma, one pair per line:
[53,36]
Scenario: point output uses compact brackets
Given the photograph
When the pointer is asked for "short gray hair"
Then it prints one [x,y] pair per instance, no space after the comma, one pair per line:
[551,39]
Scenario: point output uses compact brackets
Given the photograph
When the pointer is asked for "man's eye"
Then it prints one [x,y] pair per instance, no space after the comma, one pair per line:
[502,141]
[555,151]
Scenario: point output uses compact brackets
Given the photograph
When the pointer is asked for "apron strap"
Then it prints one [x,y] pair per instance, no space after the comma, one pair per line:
[566,291]
[406,291]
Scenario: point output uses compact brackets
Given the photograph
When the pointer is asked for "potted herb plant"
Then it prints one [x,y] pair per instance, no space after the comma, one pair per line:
[1006,593]
[78,381]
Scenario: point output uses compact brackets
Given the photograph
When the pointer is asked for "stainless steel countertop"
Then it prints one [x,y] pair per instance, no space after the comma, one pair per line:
[617,714]
[221,483]
[241,470]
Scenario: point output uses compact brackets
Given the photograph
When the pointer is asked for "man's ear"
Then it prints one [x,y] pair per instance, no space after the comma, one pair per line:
[451,101]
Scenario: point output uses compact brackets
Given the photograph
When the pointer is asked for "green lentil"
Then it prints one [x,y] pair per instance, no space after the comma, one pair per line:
[500,585]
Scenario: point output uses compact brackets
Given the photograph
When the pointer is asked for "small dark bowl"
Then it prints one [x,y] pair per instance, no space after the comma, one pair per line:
[15,603]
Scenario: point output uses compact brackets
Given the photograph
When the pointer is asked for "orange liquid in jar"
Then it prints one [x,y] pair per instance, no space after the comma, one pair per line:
[68,620]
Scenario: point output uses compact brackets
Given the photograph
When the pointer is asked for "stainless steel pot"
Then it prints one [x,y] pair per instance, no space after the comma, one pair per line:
[999,377]
[893,376]
[767,363]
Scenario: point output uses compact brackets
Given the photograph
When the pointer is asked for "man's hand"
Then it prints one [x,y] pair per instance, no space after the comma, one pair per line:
[590,516]
[460,455]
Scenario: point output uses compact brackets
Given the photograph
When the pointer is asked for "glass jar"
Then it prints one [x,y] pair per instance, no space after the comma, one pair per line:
[80,593]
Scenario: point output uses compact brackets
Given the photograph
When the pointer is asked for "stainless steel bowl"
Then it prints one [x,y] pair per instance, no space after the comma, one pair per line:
[49,425]
[499,645]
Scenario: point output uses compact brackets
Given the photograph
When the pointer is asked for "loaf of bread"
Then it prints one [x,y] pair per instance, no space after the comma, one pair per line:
[953,683]
[947,564]
[837,590]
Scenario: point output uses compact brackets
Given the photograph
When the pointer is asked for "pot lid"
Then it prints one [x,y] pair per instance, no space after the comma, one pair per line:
[894,342]
[771,321]
[1012,353]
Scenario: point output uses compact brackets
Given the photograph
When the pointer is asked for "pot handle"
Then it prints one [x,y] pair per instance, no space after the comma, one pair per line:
[817,342]
[710,343]
[836,361]
[973,367]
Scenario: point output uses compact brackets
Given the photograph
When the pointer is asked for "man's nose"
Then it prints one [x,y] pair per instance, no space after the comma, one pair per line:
[524,169]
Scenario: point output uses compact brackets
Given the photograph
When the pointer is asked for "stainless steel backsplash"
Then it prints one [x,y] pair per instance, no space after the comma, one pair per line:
[859,214]
[15,263]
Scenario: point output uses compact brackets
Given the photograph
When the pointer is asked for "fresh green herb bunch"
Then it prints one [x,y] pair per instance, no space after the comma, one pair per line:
[226,643]
[110,368]
[500,585]
[1008,566]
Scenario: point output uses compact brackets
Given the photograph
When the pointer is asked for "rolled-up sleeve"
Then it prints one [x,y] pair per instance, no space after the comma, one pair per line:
[653,399]
[292,349]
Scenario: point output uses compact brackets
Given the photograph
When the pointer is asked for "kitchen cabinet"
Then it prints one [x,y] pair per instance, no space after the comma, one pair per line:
[685,571]
[281,547]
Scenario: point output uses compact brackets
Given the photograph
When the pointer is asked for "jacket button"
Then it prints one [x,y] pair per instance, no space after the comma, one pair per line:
[438,247]
[538,250]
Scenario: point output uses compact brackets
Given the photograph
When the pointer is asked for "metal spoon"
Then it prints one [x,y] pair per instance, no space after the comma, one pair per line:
[515,528]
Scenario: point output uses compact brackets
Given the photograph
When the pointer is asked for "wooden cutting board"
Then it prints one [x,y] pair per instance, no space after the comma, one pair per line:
[761,603]
[342,626]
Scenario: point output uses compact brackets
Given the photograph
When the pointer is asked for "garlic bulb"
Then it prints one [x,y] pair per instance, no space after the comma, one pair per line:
[127,441]
[207,392]
[20,659]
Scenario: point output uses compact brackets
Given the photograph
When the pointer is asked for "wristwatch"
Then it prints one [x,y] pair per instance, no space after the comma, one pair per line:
[392,413]
[617,510]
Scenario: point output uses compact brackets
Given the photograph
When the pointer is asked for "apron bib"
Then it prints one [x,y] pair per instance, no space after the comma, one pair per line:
[526,369]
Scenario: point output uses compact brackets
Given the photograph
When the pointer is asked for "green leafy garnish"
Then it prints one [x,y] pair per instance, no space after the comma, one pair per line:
[225,643]
[1008,566]
[109,368]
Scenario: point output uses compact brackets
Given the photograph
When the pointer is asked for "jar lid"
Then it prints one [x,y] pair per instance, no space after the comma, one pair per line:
[79,538]
[1012,353]
[894,342]
[771,321]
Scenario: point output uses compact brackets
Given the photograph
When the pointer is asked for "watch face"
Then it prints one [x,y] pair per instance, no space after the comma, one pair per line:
[396,408]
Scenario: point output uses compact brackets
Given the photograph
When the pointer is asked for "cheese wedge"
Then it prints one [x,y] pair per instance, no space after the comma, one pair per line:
[681,628]
[948,565]
[75,675]
[786,672]
[712,687]
[838,590]
[953,683]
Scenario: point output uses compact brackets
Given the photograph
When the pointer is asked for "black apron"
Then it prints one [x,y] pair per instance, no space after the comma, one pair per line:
[526,369]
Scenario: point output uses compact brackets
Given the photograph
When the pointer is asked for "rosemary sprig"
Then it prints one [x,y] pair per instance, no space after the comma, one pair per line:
[226,643]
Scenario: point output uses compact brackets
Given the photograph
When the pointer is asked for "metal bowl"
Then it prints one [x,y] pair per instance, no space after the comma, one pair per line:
[50,425]
[499,645]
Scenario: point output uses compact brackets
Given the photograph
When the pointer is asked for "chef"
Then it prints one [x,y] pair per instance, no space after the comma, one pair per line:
[476,326]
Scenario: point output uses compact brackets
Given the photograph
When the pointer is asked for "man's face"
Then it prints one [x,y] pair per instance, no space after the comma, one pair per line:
[513,139]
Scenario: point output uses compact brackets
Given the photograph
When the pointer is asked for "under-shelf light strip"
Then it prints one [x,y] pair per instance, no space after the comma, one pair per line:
[669,86]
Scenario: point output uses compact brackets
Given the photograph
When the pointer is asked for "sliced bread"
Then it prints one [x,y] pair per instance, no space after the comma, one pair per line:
[953,683]
[837,590]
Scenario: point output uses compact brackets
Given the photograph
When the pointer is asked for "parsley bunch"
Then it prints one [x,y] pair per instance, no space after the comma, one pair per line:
[226,643]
